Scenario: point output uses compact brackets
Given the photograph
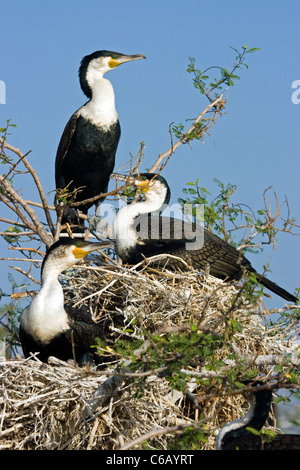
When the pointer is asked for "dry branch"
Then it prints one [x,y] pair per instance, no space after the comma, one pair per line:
[16,197]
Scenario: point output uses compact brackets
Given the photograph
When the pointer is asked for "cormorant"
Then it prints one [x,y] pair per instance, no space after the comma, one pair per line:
[86,152]
[173,236]
[236,436]
[45,326]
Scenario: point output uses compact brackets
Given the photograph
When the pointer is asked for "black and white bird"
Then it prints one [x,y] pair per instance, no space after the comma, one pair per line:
[237,434]
[140,231]
[45,325]
[86,152]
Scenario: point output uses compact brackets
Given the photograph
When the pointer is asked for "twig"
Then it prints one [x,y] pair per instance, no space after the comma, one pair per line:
[16,209]
[12,222]
[36,225]
[22,248]
[22,259]
[161,431]
[81,215]
[216,103]
[17,234]
[25,274]
[35,178]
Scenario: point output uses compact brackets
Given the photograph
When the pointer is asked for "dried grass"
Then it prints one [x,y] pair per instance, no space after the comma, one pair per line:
[61,406]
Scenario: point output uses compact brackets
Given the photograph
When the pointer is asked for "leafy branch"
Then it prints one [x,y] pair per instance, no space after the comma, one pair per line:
[213,89]
[220,212]
[207,86]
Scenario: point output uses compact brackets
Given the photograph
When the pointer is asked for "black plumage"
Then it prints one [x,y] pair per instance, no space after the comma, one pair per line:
[237,435]
[136,223]
[86,152]
[48,327]
[73,344]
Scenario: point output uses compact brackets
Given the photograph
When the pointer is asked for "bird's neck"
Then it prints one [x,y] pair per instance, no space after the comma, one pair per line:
[124,223]
[46,316]
[256,417]
[51,297]
[101,109]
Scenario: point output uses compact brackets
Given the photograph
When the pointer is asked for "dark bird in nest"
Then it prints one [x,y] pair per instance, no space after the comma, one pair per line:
[237,434]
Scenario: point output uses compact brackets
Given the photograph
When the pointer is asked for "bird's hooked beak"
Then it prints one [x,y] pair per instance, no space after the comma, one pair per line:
[122,58]
[118,176]
[84,248]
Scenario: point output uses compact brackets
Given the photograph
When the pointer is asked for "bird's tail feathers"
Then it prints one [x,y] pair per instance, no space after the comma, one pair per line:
[276,289]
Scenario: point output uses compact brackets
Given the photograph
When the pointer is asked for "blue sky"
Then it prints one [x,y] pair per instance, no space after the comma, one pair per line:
[254,145]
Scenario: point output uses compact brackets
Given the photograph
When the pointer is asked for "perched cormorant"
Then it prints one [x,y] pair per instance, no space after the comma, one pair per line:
[45,326]
[174,236]
[236,436]
[86,152]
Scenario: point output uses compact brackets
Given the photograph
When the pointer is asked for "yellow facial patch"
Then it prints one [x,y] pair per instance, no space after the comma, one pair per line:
[113,63]
[142,185]
[79,252]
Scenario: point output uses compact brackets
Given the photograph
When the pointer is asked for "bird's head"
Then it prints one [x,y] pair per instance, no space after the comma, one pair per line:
[151,185]
[67,251]
[95,65]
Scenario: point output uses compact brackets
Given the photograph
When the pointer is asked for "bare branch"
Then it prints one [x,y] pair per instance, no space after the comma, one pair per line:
[22,259]
[36,179]
[17,234]
[41,193]
[21,248]
[16,209]
[12,222]
[161,431]
[17,201]
[25,274]
[36,226]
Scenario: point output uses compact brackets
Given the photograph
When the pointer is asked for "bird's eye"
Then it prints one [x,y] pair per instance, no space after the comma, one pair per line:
[113,57]
[144,178]
[77,244]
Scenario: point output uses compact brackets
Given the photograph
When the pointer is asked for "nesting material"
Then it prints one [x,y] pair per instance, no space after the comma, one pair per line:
[61,406]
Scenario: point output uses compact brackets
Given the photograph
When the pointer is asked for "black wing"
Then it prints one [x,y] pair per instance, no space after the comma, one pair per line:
[195,245]
[199,248]
[63,148]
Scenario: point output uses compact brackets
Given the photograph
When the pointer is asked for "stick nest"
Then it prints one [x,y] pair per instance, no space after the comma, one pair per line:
[61,406]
